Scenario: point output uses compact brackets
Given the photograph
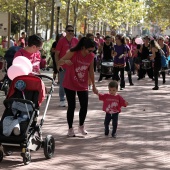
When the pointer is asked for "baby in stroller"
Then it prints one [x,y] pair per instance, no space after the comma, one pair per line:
[19,130]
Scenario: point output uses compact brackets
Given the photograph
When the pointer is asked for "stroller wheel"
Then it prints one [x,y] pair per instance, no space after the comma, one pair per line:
[1,155]
[27,158]
[49,146]
[8,153]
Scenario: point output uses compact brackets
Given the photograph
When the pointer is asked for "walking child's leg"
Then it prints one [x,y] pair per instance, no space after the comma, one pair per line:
[107,122]
[114,123]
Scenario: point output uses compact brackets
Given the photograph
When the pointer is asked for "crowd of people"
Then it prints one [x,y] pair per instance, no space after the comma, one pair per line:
[75,60]
[78,70]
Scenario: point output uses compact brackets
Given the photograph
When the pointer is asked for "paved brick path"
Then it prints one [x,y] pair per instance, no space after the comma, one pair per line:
[143,141]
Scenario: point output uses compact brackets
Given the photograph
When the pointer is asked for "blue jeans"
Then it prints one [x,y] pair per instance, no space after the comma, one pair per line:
[61,88]
[108,118]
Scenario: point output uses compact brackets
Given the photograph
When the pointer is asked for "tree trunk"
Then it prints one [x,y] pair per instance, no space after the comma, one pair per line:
[75,7]
[52,20]
[68,12]
[33,18]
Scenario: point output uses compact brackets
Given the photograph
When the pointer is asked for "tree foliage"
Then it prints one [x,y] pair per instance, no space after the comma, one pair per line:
[113,12]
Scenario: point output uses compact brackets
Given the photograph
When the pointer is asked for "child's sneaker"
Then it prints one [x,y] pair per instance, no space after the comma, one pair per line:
[114,135]
[71,132]
[106,132]
[82,130]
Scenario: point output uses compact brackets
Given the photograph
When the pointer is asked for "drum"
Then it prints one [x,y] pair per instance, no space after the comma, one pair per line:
[146,64]
[107,68]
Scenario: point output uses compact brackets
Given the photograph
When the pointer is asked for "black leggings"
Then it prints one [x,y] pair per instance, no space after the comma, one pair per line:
[71,99]
[116,76]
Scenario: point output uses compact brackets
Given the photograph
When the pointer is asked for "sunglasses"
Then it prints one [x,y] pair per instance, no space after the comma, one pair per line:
[70,30]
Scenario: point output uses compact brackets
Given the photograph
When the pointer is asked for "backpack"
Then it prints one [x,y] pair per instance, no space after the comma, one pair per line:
[9,55]
[164,60]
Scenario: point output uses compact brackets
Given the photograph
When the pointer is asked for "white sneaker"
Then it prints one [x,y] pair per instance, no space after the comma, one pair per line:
[82,130]
[62,104]
[71,132]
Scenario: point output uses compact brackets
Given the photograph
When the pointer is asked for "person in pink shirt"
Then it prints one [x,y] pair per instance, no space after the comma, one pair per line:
[63,45]
[79,64]
[112,103]
[43,63]
[21,41]
[31,51]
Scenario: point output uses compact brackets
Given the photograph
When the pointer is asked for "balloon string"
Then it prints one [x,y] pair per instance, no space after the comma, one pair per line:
[26,104]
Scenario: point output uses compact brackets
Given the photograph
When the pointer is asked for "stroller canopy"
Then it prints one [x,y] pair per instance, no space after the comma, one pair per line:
[33,83]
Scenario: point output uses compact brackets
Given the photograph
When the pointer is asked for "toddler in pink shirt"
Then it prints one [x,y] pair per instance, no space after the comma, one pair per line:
[112,103]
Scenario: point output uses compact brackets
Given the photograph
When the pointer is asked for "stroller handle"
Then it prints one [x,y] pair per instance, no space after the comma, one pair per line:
[6,101]
[44,76]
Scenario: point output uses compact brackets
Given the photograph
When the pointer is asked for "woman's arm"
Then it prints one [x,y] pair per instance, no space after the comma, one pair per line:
[153,53]
[167,49]
[66,59]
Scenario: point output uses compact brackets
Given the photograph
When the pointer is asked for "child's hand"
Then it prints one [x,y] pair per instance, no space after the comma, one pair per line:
[126,103]
[95,91]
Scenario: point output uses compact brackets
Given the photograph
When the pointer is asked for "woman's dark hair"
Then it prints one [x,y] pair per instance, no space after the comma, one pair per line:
[35,40]
[113,84]
[107,36]
[121,38]
[84,42]
[154,43]
[88,35]
[68,26]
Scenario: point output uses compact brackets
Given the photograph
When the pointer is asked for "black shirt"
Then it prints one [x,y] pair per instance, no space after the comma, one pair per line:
[107,51]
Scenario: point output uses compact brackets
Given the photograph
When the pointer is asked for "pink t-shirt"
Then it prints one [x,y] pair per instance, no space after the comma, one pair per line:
[35,58]
[133,49]
[112,104]
[64,45]
[76,76]
[43,63]
[21,42]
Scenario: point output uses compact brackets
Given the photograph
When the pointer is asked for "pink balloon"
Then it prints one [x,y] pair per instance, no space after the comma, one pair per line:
[138,41]
[17,70]
[23,62]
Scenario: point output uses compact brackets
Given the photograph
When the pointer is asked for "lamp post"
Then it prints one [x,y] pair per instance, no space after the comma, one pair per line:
[58,4]
[26,17]
[85,24]
[46,35]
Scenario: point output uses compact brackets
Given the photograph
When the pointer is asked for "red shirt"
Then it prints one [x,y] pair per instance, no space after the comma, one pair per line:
[21,42]
[43,63]
[111,103]
[35,58]
[133,49]
[76,76]
[64,45]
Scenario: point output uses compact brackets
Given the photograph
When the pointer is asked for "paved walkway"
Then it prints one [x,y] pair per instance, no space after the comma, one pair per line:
[143,141]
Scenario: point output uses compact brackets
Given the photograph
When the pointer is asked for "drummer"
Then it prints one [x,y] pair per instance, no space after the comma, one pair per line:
[107,53]
[145,51]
